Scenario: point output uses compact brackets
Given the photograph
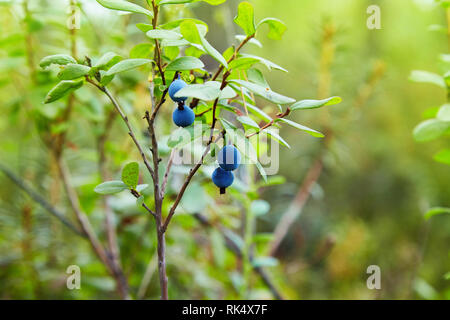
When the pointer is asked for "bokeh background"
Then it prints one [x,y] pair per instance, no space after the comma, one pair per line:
[366,207]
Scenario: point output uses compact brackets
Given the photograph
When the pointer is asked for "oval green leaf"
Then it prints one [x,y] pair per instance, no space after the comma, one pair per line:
[111,187]
[126,65]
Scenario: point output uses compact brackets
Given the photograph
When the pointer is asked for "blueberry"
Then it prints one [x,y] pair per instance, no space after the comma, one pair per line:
[223,179]
[174,87]
[183,117]
[229,158]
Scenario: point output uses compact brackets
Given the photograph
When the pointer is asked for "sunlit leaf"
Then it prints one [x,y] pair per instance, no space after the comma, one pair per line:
[73,71]
[436,211]
[310,131]
[312,104]
[130,174]
[269,64]
[111,187]
[276,137]
[59,59]
[276,28]
[443,156]
[430,129]
[427,77]
[163,34]
[265,93]
[185,63]
[126,65]
[62,89]
[245,18]
[444,112]
[247,121]
[124,6]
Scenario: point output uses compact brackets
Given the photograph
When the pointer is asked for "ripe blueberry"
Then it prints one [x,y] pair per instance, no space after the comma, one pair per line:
[183,116]
[229,158]
[223,179]
[174,87]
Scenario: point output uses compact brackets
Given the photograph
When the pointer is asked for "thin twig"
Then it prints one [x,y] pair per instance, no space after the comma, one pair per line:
[39,199]
[166,174]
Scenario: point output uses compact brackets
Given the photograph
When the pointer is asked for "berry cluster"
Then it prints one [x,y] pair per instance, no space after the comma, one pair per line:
[182,116]
[229,159]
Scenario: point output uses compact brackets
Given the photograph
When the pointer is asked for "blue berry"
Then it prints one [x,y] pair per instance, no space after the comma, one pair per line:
[174,87]
[229,158]
[183,118]
[223,179]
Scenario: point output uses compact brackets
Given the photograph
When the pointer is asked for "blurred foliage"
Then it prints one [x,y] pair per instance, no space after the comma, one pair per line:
[366,208]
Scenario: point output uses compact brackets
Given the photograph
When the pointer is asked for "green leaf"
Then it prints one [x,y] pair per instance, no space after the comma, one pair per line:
[263,92]
[269,64]
[130,174]
[443,156]
[163,34]
[213,52]
[444,112]
[258,112]
[256,76]
[192,33]
[73,71]
[276,28]
[107,60]
[259,207]
[177,23]
[264,262]
[126,65]
[111,187]
[245,18]
[141,51]
[248,121]
[427,77]
[185,63]
[435,211]
[144,27]
[312,132]
[430,130]
[312,104]
[61,89]
[277,137]
[242,63]
[59,59]
[125,6]
[199,91]
[189,30]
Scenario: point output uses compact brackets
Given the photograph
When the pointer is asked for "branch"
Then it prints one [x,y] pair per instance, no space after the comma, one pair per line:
[39,199]
[186,183]
[166,174]
[127,123]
